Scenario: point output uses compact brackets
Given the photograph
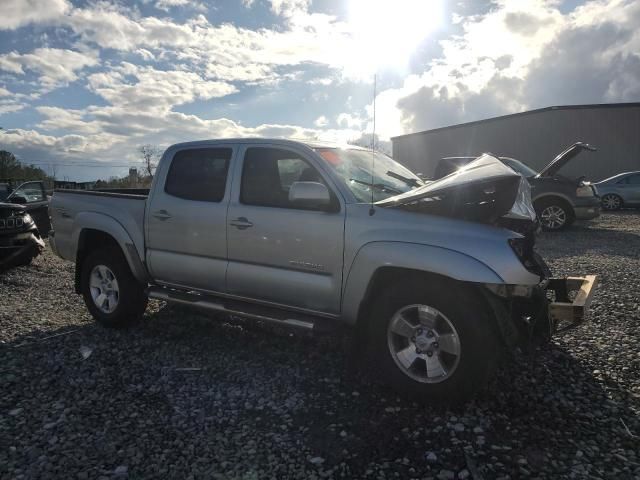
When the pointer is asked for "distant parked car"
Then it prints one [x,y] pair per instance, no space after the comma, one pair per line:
[622,190]
[558,200]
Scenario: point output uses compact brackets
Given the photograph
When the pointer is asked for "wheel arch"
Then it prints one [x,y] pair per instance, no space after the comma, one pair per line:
[101,231]
[554,196]
[379,260]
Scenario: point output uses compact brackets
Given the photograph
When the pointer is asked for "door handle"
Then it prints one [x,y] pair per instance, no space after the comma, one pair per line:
[241,223]
[161,215]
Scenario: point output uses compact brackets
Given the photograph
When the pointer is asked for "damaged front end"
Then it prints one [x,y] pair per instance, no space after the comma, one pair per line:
[530,315]
[20,240]
[487,191]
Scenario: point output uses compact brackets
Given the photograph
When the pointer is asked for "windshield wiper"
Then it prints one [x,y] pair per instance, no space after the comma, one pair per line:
[379,186]
[412,182]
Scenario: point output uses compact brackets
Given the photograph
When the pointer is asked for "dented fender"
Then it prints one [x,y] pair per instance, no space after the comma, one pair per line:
[413,256]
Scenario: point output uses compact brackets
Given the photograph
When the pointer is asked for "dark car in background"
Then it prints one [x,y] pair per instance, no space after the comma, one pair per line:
[33,196]
[622,190]
[558,200]
[20,239]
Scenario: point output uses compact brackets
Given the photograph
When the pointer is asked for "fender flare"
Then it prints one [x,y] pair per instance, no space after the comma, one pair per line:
[414,256]
[543,196]
[110,226]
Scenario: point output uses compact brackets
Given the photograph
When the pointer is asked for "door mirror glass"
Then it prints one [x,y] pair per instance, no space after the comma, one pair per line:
[309,195]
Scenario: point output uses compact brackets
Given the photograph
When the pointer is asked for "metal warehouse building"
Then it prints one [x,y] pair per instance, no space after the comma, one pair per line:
[536,137]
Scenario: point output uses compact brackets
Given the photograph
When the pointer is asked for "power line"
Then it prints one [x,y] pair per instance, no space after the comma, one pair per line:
[54,164]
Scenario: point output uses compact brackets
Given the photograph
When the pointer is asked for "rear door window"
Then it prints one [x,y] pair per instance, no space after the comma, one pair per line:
[199,174]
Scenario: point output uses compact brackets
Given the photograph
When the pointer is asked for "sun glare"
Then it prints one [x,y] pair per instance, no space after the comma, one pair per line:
[387,32]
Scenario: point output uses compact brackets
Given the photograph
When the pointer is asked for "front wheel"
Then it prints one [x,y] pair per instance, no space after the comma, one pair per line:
[112,294]
[434,341]
[554,214]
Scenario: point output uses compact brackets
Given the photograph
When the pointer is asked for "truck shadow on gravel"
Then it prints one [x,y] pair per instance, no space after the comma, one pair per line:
[261,399]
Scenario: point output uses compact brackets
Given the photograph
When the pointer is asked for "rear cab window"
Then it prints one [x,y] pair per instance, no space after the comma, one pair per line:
[199,174]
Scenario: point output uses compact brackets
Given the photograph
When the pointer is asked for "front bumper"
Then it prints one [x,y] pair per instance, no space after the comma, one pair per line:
[18,246]
[587,213]
[586,208]
[530,314]
[570,305]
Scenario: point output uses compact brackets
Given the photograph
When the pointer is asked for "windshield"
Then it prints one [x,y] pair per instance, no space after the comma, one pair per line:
[519,167]
[354,166]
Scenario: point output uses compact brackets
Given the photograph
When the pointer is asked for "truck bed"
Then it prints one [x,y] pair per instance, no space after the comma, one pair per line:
[124,206]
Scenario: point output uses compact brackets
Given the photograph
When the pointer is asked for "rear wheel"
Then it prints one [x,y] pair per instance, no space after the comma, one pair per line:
[433,342]
[554,214]
[112,294]
[611,202]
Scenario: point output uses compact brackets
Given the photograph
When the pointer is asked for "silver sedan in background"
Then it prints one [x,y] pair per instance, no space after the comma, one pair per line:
[622,190]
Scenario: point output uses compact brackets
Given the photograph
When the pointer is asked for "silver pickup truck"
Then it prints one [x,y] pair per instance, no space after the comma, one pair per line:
[436,279]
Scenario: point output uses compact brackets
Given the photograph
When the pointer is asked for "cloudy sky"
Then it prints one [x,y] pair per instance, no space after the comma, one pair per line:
[84,83]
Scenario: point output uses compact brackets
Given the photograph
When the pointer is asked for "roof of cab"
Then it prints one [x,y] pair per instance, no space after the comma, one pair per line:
[278,141]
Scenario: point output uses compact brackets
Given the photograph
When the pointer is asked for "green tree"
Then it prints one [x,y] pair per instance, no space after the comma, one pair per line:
[11,168]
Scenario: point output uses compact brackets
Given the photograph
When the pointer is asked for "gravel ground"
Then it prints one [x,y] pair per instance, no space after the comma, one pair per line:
[181,396]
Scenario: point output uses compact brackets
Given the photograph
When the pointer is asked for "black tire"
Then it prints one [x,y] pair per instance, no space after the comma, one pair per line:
[479,345]
[132,299]
[614,204]
[555,203]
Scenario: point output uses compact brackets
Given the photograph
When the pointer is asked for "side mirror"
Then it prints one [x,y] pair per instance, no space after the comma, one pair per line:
[309,195]
[18,199]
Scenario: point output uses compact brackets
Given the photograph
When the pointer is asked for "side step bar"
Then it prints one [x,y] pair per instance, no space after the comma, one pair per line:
[233,307]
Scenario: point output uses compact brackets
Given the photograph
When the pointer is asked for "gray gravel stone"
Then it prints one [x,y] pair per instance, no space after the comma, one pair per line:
[180,395]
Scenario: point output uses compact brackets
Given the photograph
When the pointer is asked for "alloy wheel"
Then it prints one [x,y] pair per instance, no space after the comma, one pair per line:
[553,217]
[104,289]
[423,343]
[611,202]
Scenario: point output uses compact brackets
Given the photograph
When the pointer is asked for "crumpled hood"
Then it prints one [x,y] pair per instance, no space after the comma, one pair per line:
[483,190]
[7,208]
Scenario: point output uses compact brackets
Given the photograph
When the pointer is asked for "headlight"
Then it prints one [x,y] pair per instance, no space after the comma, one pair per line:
[27,219]
[584,191]
[522,208]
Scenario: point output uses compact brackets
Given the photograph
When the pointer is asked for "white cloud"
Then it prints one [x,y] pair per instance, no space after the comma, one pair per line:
[321,121]
[249,73]
[4,92]
[348,120]
[17,13]
[8,106]
[289,8]
[147,89]
[518,56]
[254,54]
[55,66]
[166,4]
[17,139]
